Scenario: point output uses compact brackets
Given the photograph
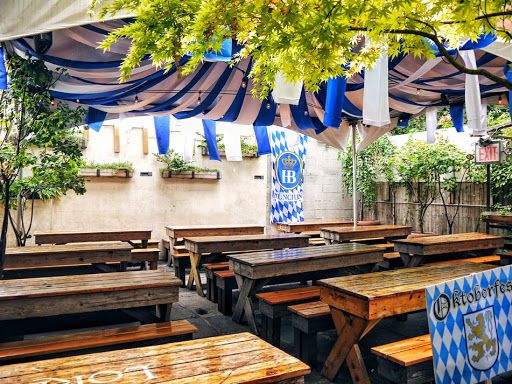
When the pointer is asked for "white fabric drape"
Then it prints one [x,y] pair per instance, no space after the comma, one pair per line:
[376,93]
[20,18]
[431,114]
[501,49]
[286,92]
[370,134]
[232,142]
[472,96]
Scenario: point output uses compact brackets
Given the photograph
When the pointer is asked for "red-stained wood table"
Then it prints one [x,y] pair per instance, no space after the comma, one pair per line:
[359,302]
[232,359]
[198,246]
[65,237]
[346,234]
[415,251]
[254,270]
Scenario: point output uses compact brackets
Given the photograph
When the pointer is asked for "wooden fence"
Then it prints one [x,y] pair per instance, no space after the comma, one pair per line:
[401,209]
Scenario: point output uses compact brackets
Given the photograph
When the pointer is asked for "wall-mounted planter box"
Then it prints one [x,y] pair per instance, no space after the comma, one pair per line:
[97,172]
[207,175]
[492,217]
[204,152]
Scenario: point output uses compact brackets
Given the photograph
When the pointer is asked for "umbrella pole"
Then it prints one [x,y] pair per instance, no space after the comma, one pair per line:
[354,176]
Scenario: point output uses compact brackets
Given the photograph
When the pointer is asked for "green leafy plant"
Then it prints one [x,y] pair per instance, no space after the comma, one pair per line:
[175,163]
[120,165]
[40,153]
[248,149]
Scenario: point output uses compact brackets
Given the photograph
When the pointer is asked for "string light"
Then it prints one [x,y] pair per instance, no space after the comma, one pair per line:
[500,100]
[52,102]
[268,106]
[244,83]
[306,113]
[78,101]
[199,98]
[136,98]
[418,91]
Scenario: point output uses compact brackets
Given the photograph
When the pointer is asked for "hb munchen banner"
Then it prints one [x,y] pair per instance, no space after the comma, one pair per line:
[287,176]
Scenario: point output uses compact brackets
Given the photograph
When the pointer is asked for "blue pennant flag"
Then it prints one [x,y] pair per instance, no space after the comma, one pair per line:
[3,71]
[210,134]
[162,132]
[508,74]
[335,98]
[224,54]
[262,139]
[95,118]
[457,115]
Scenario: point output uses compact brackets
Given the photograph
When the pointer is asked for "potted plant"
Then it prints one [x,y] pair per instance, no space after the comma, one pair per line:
[176,167]
[249,149]
[116,169]
[501,214]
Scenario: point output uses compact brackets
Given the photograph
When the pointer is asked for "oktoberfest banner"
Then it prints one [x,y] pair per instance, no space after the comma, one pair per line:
[288,158]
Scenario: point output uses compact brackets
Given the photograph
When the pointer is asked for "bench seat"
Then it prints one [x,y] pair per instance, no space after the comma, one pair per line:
[211,287]
[307,320]
[274,306]
[173,330]
[143,255]
[225,283]
[152,243]
[491,259]
[406,361]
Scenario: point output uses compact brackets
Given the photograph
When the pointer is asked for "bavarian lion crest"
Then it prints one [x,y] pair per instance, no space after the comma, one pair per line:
[481,338]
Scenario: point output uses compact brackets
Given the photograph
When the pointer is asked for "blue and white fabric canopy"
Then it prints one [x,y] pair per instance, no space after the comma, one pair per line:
[219,92]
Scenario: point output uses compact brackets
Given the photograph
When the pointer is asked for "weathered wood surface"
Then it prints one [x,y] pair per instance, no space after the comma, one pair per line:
[69,254]
[180,231]
[239,358]
[312,225]
[359,302]
[343,234]
[64,237]
[253,270]
[455,243]
[298,260]
[47,296]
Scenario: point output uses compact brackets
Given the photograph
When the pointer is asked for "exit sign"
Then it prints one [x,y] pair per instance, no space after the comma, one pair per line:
[491,153]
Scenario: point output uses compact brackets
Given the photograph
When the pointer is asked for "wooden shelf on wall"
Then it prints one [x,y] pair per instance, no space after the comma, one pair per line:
[205,175]
[98,172]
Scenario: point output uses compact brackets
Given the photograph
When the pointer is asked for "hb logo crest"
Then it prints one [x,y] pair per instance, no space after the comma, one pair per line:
[481,338]
[289,170]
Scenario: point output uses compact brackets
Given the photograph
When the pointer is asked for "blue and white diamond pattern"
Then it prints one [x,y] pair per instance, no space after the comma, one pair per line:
[286,211]
[449,344]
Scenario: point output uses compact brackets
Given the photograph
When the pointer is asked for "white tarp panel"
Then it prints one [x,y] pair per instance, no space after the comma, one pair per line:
[20,18]
[376,93]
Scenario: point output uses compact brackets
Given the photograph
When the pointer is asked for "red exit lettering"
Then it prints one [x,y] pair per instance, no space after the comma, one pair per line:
[489,153]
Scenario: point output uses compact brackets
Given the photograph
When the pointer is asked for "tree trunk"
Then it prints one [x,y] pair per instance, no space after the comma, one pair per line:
[5,226]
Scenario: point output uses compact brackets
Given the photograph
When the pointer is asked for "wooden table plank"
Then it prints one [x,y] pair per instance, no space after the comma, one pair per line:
[238,358]
[343,234]
[63,237]
[180,231]
[311,225]
[361,301]
[46,296]
[69,254]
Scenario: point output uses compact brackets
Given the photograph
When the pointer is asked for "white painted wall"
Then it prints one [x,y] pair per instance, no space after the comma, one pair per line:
[153,202]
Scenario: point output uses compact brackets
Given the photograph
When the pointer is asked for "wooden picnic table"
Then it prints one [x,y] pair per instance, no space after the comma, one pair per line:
[65,237]
[359,302]
[68,254]
[345,234]
[58,295]
[197,246]
[238,358]
[255,270]
[311,225]
[414,251]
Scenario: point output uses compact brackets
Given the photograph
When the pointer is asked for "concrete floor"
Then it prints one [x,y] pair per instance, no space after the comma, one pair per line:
[210,322]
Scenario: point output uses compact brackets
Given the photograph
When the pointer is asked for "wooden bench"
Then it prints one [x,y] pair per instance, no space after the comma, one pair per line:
[152,243]
[316,241]
[181,263]
[307,320]
[505,257]
[491,259]
[168,331]
[274,306]
[406,361]
[146,255]
[211,287]
[225,283]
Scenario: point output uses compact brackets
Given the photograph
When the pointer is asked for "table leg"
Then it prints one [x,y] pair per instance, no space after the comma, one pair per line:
[350,330]
[248,287]
[411,261]
[195,262]
[163,312]
[172,243]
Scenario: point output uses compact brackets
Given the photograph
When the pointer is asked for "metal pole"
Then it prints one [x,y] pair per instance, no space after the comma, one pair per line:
[354,176]
[488,195]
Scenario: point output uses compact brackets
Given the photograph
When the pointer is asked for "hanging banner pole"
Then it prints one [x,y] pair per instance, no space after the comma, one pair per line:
[354,176]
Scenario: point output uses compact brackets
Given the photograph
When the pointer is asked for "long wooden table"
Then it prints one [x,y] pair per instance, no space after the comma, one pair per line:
[238,358]
[69,254]
[254,270]
[311,225]
[359,302]
[197,246]
[48,296]
[414,251]
[65,237]
[344,234]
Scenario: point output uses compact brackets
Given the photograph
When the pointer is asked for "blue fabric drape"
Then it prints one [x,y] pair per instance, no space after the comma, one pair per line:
[95,118]
[508,75]
[457,115]
[210,134]
[262,140]
[3,71]
[224,54]
[162,132]
[266,115]
[334,101]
